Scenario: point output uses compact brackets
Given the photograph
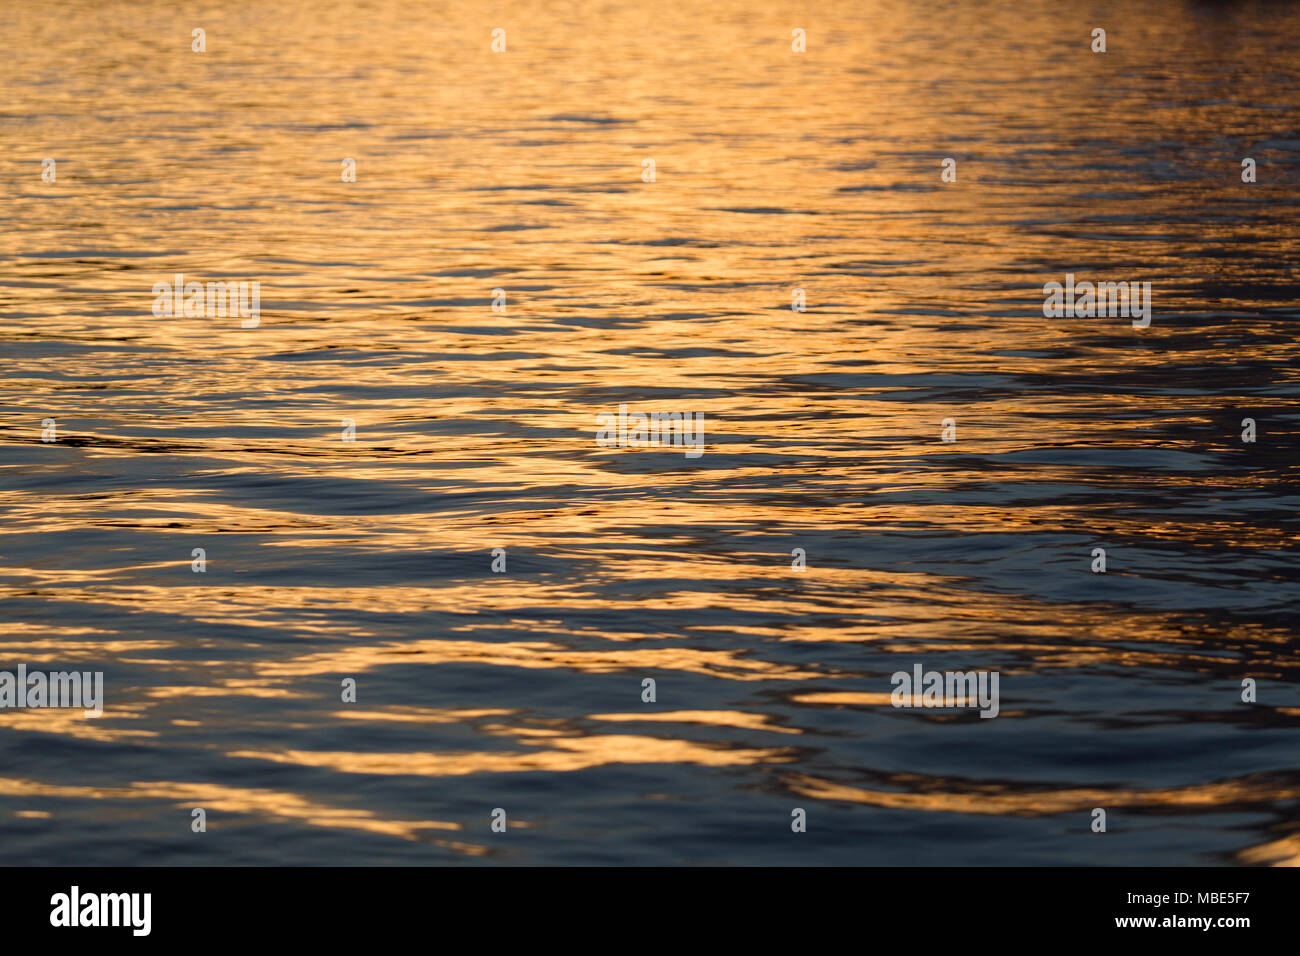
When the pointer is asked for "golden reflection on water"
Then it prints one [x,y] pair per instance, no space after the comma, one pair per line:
[569,754]
[476,430]
[266,804]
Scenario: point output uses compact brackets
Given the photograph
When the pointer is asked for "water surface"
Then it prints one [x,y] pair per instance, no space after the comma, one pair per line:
[476,430]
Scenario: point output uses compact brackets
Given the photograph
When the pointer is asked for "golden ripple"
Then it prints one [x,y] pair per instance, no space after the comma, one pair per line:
[72,722]
[713,718]
[567,754]
[533,655]
[997,801]
[846,697]
[272,805]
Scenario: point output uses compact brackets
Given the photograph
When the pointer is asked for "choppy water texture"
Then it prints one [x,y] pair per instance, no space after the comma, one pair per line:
[475,430]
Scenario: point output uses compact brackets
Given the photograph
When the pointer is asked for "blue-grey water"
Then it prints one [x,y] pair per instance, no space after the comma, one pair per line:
[475,428]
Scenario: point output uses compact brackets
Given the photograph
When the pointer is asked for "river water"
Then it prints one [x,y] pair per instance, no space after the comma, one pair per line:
[475,428]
